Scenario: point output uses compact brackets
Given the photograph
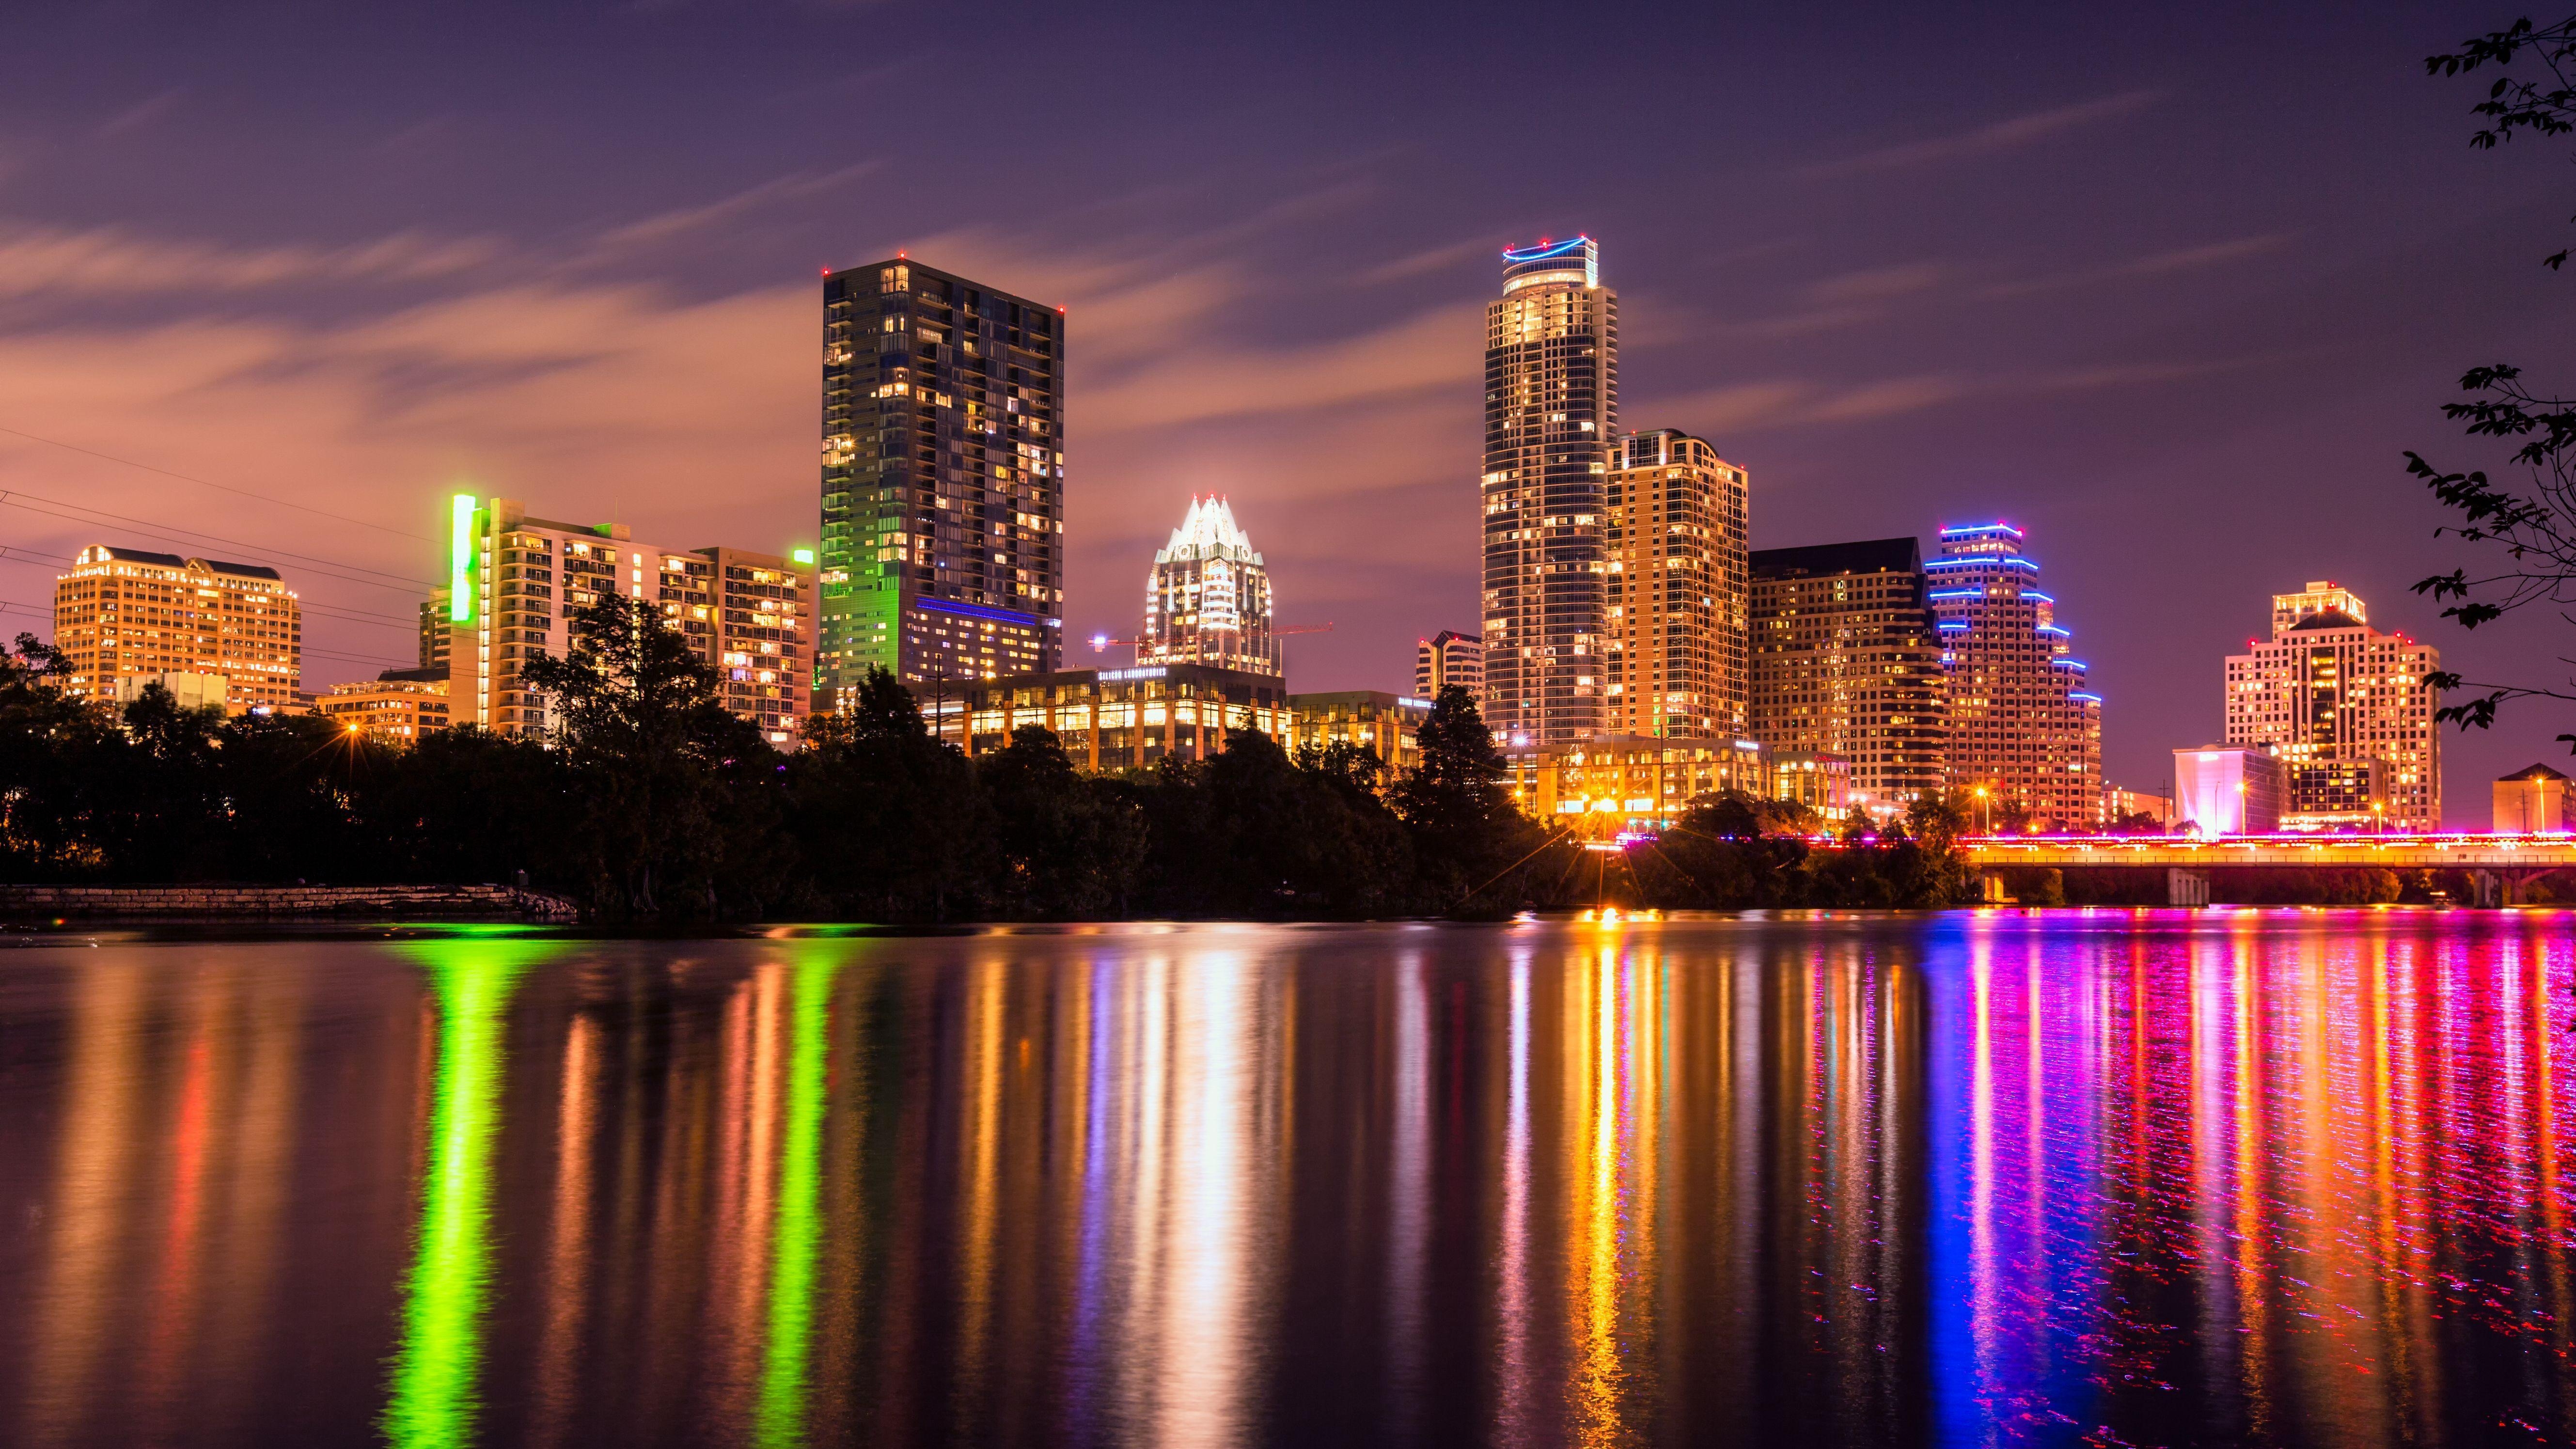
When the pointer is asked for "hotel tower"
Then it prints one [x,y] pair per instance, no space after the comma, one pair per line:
[1551,403]
[943,479]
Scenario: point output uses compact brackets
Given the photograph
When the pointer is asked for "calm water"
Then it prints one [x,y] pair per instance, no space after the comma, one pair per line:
[2073,1178]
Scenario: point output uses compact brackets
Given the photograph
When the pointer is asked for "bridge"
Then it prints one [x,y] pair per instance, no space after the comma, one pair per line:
[2498,865]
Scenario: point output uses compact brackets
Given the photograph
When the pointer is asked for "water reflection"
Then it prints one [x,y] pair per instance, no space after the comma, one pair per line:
[1990,1179]
[437,1362]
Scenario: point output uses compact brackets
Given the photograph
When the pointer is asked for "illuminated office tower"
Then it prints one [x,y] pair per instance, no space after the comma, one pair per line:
[2023,727]
[1674,595]
[1846,662]
[1208,598]
[434,633]
[943,479]
[521,579]
[1551,400]
[2346,709]
[123,611]
[1448,658]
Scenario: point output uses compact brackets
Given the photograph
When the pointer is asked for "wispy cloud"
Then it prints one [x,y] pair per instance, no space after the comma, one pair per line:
[2005,135]
[110,261]
[1784,403]
[142,113]
[1879,284]
[654,230]
[2157,264]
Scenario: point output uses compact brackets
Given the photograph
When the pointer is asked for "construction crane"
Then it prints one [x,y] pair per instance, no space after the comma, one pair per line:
[1100,642]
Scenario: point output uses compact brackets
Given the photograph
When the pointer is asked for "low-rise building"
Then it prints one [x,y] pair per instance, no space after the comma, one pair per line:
[189,690]
[2229,790]
[1617,784]
[400,710]
[1390,724]
[2119,805]
[1819,781]
[1114,719]
[2534,801]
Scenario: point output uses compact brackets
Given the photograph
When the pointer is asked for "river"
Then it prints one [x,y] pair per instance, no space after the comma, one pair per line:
[2233,1176]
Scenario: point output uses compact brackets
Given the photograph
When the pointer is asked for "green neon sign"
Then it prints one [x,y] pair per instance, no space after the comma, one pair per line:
[786,1365]
[803,555]
[460,559]
[434,1400]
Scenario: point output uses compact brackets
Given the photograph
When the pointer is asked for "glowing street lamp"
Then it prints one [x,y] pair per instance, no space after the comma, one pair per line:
[1985,810]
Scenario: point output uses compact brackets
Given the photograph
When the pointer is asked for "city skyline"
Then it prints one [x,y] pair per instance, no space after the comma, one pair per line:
[1987,292]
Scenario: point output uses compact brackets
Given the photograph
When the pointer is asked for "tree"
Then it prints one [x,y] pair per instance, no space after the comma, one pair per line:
[677,794]
[891,823]
[1455,804]
[2532,522]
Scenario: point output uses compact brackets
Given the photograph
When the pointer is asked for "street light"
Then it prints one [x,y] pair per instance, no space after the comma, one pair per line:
[1986,810]
[2378,820]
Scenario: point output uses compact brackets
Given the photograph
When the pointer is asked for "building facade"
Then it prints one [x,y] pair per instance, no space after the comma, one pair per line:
[435,635]
[518,581]
[123,611]
[2346,708]
[1611,785]
[1208,598]
[1551,403]
[1675,592]
[1845,661]
[943,478]
[1387,725]
[2023,724]
[2229,790]
[1116,719]
[1448,658]
[398,710]
[1821,782]
[2119,804]
[2536,800]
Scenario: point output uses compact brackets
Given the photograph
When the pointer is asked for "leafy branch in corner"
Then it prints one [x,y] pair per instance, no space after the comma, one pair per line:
[2535,525]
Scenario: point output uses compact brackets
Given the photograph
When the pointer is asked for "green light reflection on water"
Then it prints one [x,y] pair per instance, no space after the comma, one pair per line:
[779,1418]
[433,1398]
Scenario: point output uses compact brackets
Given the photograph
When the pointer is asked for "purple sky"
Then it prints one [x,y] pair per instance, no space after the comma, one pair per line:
[2169,287]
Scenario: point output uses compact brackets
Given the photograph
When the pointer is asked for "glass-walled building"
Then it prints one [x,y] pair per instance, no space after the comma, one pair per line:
[1551,403]
[1614,784]
[943,478]
[2024,726]
[1845,662]
[1115,719]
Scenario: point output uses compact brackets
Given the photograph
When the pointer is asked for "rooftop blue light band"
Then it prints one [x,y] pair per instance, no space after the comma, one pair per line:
[1956,594]
[1968,528]
[2079,694]
[2036,594]
[1540,254]
[978,611]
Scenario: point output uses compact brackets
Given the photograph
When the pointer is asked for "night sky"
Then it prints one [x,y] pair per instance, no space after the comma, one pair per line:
[2170,287]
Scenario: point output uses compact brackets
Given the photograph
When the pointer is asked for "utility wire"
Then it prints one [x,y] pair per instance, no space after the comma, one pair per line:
[209,483]
[170,533]
[36,558]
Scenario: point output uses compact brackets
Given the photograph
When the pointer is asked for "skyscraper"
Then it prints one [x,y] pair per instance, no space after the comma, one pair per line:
[1208,598]
[1448,658]
[124,611]
[1674,594]
[2346,708]
[2022,725]
[1551,401]
[1845,662]
[943,478]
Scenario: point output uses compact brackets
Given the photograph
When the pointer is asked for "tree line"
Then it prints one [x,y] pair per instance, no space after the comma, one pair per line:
[651,803]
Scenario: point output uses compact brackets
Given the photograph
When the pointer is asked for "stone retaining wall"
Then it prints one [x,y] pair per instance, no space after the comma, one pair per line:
[281,903]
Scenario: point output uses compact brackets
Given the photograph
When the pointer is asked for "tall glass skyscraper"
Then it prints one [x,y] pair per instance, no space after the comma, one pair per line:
[943,479]
[1551,404]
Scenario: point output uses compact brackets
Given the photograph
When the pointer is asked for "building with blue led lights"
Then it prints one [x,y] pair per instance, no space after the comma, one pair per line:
[2023,725]
[1551,408]
[943,479]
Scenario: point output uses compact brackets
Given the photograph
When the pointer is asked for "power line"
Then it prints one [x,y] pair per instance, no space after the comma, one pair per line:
[209,483]
[170,533]
[37,558]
